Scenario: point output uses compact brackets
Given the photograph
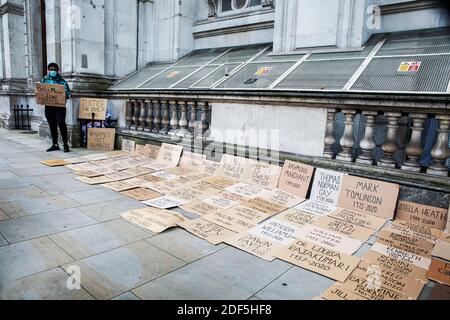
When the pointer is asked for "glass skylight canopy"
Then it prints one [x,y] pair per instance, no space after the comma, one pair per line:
[406,62]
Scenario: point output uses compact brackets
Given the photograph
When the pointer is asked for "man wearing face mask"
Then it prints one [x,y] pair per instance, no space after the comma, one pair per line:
[56,116]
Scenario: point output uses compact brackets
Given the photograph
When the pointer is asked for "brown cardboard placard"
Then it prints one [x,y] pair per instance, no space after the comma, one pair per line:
[223,200]
[282,198]
[328,239]
[405,246]
[165,175]
[119,186]
[53,95]
[94,181]
[327,262]
[207,230]
[238,218]
[165,202]
[439,271]
[219,181]
[140,149]
[155,220]
[119,176]
[141,194]
[234,167]
[258,246]
[417,213]
[442,250]
[200,208]
[158,165]
[170,153]
[419,261]
[265,206]
[128,145]
[358,218]
[296,178]
[346,228]
[370,290]
[246,190]
[326,186]
[395,265]
[178,171]
[317,208]
[440,292]
[418,228]
[404,231]
[278,231]
[150,178]
[101,139]
[262,174]
[151,151]
[336,292]
[211,167]
[54,163]
[297,218]
[369,196]
[193,191]
[166,186]
[88,106]
[87,173]
[393,236]
[192,161]
[388,279]
[197,176]
[445,237]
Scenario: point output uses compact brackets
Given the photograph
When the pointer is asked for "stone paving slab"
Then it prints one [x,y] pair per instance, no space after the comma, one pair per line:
[112,273]
[5,175]
[41,171]
[30,192]
[127,296]
[3,216]
[111,210]
[21,208]
[30,257]
[20,229]
[184,245]
[3,241]
[14,183]
[48,285]
[229,274]
[94,196]
[92,240]
[58,183]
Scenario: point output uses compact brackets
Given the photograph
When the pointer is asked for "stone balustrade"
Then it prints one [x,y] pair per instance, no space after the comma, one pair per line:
[404,137]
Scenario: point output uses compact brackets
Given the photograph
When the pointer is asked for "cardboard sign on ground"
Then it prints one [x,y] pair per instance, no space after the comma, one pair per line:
[170,153]
[151,151]
[358,218]
[128,146]
[238,219]
[89,106]
[439,271]
[419,261]
[326,186]
[119,186]
[211,167]
[328,239]
[208,231]
[276,230]
[54,163]
[119,176]
[101,139]
[282,198]
[442,250]
[317,208]
[53,95]
[218,181]
[166,186]
[192,161]
[416,213]
[246,190]
[199,207]
[194,190]
[234,167]
[336,292]
[87,173]
[165,202]
[404,231]
[319,259]
[140,149]
[196,176]
[94,181]
[155,220]
[346,228]
[388,279]
[370,289]
[265,206]
[141,194]
[391,237]
[440,292]
[223,200]
[445,237]
[258,246]
[296,178]
[297,218]
[405,247]
[263,175]
[418,228]
[369,196]
[399,266]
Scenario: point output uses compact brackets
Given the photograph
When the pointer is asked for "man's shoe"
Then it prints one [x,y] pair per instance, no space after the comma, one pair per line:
[66,148]
[54,148]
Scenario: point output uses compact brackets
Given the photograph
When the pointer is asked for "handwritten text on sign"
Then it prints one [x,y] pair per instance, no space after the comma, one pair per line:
[90,106]
[53,95]
[101,139]
[296,178]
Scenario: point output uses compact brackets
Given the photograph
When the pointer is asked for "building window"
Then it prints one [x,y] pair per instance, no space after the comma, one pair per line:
[237,5]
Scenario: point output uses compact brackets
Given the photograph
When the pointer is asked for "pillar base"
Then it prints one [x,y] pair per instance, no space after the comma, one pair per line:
[365,161]
[411,168]
[438,171]
[387,164]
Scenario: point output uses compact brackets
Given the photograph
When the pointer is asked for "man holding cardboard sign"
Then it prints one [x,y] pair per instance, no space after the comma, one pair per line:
[56,114]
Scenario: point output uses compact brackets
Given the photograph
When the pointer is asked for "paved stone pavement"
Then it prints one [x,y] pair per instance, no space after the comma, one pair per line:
[51,224]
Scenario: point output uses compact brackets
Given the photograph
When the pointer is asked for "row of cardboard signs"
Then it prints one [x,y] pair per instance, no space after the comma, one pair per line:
[261,209]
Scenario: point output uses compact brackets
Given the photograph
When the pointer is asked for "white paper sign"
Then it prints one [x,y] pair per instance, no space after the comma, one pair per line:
[419,261]
[165,202]
[326,186]
[317,208]
[278,231]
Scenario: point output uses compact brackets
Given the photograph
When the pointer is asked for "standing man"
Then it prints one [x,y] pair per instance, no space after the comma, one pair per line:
[56,116]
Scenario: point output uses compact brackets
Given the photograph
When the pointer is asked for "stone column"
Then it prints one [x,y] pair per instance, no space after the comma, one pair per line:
[136,114]
[149,119]
[142,115]
[330,139]
[390,146]
[203,125]
[183,119]
[165,122]
[128,114]
[414,149]
[193,118]
[441,151]
[174,120]
[347,141]
[367,144]
[156,116]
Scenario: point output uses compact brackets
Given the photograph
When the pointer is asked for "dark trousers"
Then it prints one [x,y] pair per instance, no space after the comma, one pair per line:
[57,117]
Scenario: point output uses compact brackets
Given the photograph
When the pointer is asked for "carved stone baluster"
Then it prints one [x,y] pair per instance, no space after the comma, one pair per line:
[183,120]
[347,141]
[414,149]
[165,117]
[390,146]
[330,139]
[441,151]
[137,113]
[142,115]
[128,114]
[149,119]
[193,118]
[203,124]
[157,116]
[367,144]
[174,119]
